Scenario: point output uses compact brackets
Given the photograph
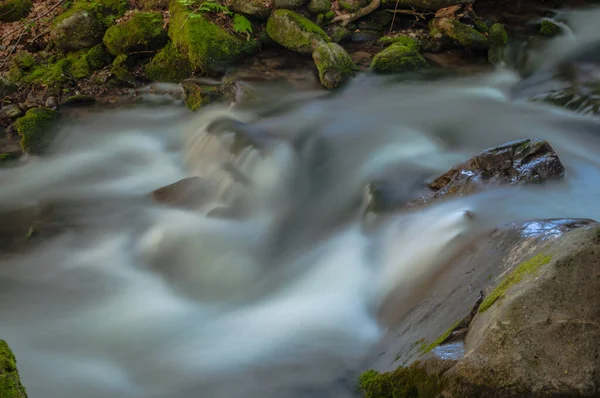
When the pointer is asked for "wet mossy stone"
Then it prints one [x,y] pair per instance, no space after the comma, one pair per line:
[404,40]
[196,96]
[209,48]
[549,29]
[319,6]
[334,65]
[295,32]
[142,32]
[14,10]
[37,129]
[23,60]
[461,34]
[10,382]
[169,65]
[398,58]
[353,5]
[498,40]
[413,381]
[257,8]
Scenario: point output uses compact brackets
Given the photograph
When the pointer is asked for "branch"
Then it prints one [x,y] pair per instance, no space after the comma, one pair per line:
[347,18]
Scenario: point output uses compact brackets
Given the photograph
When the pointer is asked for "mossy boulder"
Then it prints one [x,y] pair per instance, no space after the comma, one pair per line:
[398,58]
[120,70]
[10,111]
[14,10]
[81,29]
[257,8]
[169,65]
[549,29]
[36,129]
[209,48]
[422,5]
[23,60]
[498,40]
[142,32]
[461,34]
[353,5]
[404,40]
[289,4]
[412,381]
[334,65]
[10,382]
[295,32]
[319,6]
[196,96]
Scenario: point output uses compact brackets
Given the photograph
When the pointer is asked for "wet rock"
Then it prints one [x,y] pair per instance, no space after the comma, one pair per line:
[77,30]
[295,32]
[511,318]
[334,65]
[498,40]
[363,36]
[169,65]
[79,100]
[353,5]
[378,21]
[319,6]
[398,58]
[11,111]
[36,129]
[14,10]
[186,193]
[519,162]
[447,25]
[197,95]
[549,29]
[257,8]
[209,48]
[290,4]
[142,32]
[51,103]
[10,382]
[422,5]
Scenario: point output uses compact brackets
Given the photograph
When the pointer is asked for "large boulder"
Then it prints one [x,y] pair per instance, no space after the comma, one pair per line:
[77,30]
[397,58]
[209,48]
[13,10]
[10,382]
[256,8]
[334,65]
[512,317]
[295,32]
[142,32]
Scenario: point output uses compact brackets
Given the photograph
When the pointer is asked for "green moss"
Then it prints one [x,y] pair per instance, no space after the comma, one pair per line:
[529,267]
[498,36]
[10,383]
[13,10]
[334,65]
[329,15]
[97,57]
[404,40]
[295,32]
[169,65]
[106,11]
[549,29]
[404,382]
[468,37]
[23,60]
[209,48]
[425,348]
[36,129]
[480,26]
[120,70]
[197,96]
[143,32]
[397,58]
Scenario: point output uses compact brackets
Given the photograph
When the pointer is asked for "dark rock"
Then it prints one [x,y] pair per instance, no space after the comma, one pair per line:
[186,193]
[256,8]
[340,34]
[79,100]
[319,6]
[422,5]
[6,87]
[290,4]
[364,36]
[11,111]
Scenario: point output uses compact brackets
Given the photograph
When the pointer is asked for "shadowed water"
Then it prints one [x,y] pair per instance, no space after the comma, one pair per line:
[139,300]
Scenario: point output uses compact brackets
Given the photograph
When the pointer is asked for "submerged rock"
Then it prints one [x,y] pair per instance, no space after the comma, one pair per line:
[10,382]
[256,8]
[36,129]
[13,10]
[334,64]
[398,58]
[511,318]
[295,32]
[142,32]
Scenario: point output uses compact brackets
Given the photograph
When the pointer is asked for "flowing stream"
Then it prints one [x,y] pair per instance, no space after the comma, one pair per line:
[134,299]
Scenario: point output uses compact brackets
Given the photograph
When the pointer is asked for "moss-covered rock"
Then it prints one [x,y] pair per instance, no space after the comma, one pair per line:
[334,65]
[398,58]
[353,5]
[142,32]
[120,70]
[257,8]
[413,381]
[339,34]
[10,111]
[13,10]
[197,95]
[36,129]
[169,65]
[498,40]
[6,87]
[295,32]
[319,6]
[209,48]
[10,382]
[404,40]
[461,34]
[549,29]
[289,4]
[23,60]
[80,29]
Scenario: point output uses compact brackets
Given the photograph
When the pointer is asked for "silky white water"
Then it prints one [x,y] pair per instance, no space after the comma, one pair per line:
[136,299]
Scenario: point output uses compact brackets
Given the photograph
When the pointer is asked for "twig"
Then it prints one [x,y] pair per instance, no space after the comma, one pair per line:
[33,20]
[347,18]
[394,18]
